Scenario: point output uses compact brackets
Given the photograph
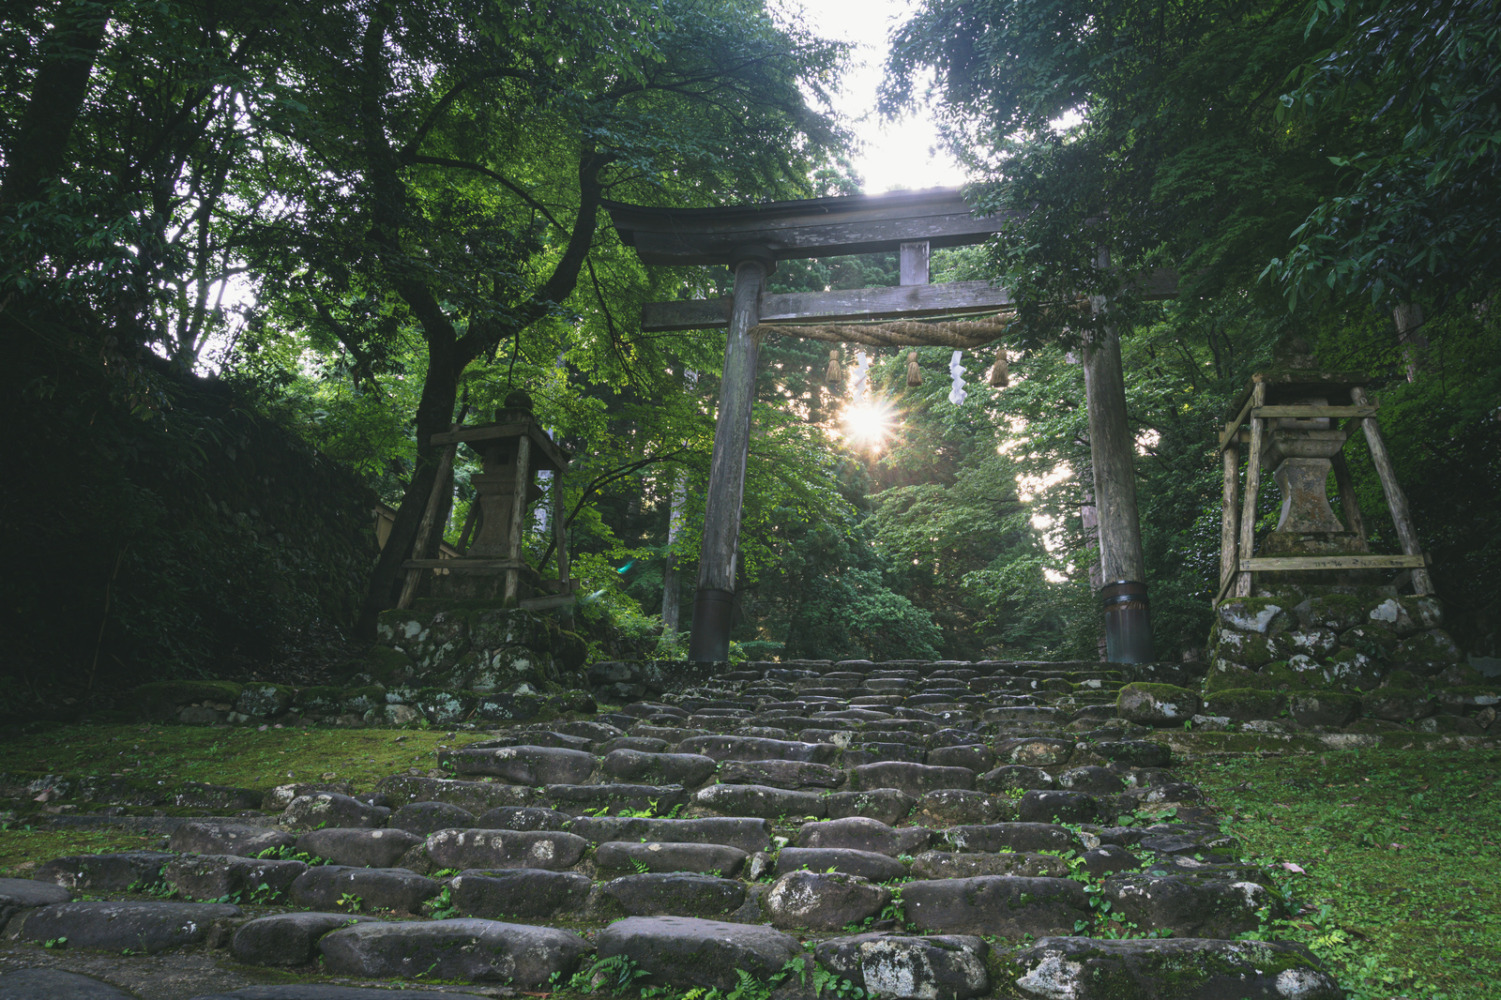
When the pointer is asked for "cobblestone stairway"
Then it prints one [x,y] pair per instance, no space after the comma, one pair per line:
[914,830]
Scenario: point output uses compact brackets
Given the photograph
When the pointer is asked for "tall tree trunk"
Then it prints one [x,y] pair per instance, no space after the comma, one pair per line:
[41,143]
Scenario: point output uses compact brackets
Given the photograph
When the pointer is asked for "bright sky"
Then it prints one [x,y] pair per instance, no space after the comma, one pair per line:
[895,155]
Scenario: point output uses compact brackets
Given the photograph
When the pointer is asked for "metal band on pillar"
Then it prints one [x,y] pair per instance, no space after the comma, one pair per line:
[713,605]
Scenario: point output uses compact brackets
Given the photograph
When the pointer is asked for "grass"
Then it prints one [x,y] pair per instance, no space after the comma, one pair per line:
[237,756]
[1399,853]
[22,848]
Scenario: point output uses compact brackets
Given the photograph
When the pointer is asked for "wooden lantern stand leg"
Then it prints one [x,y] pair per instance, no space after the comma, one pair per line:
[1247,544]
[1396,500]
[560,533]
[1229,525]
[444,481]
[518,518]
[1347,502]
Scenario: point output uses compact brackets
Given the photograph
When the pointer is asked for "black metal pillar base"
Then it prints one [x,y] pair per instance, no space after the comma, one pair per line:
[713,610]
[1128,622]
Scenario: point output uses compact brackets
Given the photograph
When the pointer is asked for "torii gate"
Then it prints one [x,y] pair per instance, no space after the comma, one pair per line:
[750,240]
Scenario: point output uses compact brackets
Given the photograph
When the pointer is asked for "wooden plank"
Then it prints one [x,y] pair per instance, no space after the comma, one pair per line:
[816,227]
[1396,500]
[1348,502]
[853,304]
[686,314]
[909,301]
[1233,427]
[560,529]
[442,483]
[913,263]
[1247,543]
[1307,412]
[466,565]
[518,515]
[1265,563]
[1228,524]
[557,458]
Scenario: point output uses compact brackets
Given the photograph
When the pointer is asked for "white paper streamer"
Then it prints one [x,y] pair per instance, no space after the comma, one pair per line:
[956,374]
[862,364]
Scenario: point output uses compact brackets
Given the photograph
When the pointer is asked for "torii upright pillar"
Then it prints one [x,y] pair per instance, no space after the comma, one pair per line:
[1128,628]
[713,605]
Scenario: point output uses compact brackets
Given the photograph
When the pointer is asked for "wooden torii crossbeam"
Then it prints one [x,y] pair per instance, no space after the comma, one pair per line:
[750,240]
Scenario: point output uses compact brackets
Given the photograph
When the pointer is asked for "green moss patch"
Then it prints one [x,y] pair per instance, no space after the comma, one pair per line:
[1396,849]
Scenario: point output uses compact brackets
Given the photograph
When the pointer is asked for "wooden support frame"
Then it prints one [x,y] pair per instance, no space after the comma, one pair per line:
[1247,535]
[1237,529]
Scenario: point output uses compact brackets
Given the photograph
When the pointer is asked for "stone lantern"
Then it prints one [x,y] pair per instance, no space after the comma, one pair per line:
[1299,419]
[513,449]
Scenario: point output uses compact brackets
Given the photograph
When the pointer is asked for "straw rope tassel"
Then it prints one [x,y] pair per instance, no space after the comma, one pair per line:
[835,374]
[1000,375]
[914,374]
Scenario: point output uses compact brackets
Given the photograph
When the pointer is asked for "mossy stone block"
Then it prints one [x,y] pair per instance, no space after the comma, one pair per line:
[1156,704]
[386,665]
[1249,649]
[320,699]
[264,701]
[1427,652]
[444,707]
[162,699]
[1398,704]
[1224,675]
[1339,612]
[1351,670]
[1261,615]
[1330,709]
[1286,675]
[1246,704]
[359,700]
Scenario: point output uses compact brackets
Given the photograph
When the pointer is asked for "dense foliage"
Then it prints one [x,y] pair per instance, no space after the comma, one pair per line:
[254,256]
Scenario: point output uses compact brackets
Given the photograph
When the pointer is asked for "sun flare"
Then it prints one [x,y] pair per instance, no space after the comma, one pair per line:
[867,424]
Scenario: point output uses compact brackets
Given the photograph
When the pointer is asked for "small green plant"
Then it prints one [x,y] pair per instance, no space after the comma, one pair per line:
[441,906]
[641,866]
[57,942]
[350,902]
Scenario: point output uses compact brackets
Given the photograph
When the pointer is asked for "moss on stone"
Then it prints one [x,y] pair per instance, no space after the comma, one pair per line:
[162,699]
[1281,676]
[363,699]
[1245,704]
[1231,676]
[320,698]
[386,665]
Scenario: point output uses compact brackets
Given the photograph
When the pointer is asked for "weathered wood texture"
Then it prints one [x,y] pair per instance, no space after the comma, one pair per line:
[1311,412]
[524,475]
[817,227]
[441,485]
[1228,524]
[910,301]
[670,604]
[1247,543]
[1263,564]
[1112,453]
[1396,500]
[465,565]
[913,263]
[737,391]
[854,304]
[560,529]
[1349,504]
[550,456]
